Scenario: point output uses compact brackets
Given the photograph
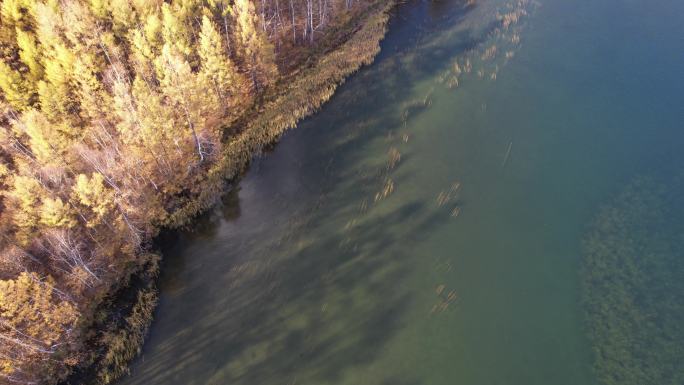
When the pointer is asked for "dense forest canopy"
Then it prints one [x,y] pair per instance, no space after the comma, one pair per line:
[111,112]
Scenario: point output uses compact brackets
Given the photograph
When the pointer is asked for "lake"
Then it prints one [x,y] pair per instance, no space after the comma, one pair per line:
[429,225]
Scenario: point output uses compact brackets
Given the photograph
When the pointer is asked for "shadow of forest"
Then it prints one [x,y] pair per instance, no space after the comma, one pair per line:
[318,288]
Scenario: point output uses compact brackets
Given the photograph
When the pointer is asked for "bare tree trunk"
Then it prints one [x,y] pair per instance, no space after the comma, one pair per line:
[278,20]
[305,30]
[309,12]
[294,28]
[320,14]
[198,144]
[263,15]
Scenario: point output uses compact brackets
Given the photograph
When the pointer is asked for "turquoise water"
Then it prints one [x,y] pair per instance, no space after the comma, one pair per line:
[415,233]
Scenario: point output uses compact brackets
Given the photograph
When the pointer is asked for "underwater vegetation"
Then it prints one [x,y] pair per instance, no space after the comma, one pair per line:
[633,286]
[443,299]
[501,42]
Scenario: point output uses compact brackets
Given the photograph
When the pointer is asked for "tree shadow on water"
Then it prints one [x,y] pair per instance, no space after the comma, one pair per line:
[333,309]
[320,299]
[306,314]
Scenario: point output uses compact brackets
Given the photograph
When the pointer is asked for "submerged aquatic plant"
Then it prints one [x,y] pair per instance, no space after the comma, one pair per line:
[489,53]
[386,191]
[633,286]
[443,300]
[394,158]
[453,82]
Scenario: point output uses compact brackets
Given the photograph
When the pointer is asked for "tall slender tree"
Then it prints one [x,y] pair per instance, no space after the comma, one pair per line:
[256,51]
[217,68]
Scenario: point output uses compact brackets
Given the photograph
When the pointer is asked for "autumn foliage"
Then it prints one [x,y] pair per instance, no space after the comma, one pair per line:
[112,115]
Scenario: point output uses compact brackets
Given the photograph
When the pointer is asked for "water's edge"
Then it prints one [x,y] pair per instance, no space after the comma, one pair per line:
[130,310]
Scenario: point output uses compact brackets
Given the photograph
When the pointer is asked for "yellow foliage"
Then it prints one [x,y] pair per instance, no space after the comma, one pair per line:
[217,68]
[32,317]
[257,51]
[142,53]
[123,15]
[48,23]
[46,141]
[59,68]
[29,54]
[153,31]
[93,193]
[55,213]
[100,8]
[25,195]
[78,26]
[14,87]
[56,96]
[12,12]
[91,94]
[175,32]
[4,171]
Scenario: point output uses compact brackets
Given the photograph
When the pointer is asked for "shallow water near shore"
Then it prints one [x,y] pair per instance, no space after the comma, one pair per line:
[426,226]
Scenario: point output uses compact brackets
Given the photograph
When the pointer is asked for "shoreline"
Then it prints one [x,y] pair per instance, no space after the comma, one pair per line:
[128,312]
[294,98]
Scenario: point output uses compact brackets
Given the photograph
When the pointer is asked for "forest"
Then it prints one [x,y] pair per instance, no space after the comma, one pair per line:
[115,116]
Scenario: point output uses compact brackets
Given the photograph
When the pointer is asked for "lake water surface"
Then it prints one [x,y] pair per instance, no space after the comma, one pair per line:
[426,227]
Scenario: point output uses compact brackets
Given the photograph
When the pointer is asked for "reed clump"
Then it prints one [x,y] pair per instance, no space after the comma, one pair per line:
[468,67]
[489,53]
[449,195]
[444,299]
[120,326]
[387,190]
[394,158]
[513,17]
[457,68]
[415,106]
[453,82]
[123,344]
